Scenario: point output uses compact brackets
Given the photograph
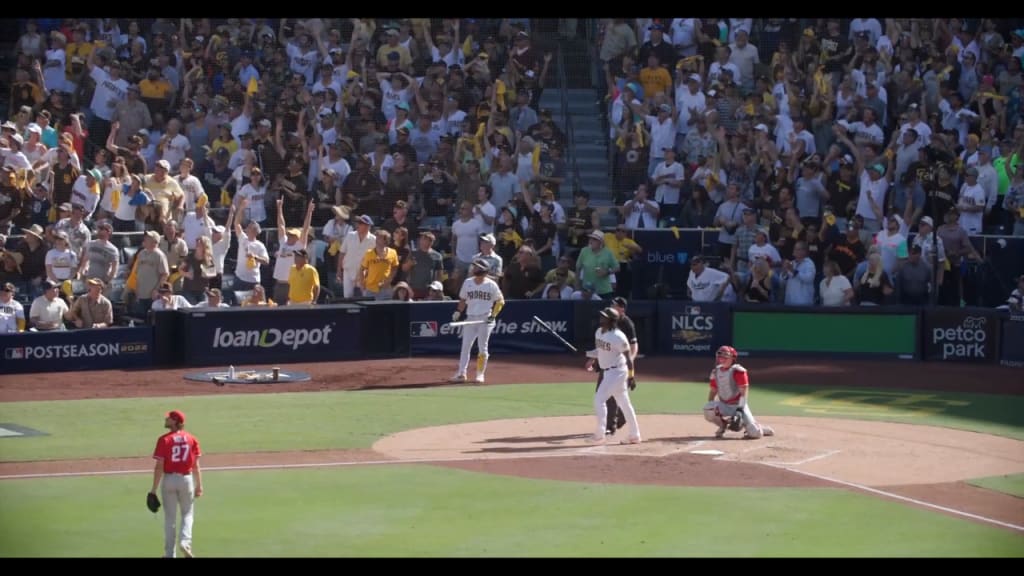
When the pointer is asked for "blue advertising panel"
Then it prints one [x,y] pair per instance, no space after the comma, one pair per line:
[233,336]
[515,331]
[666,258]
[1012,342]
[693,328]
[65,350]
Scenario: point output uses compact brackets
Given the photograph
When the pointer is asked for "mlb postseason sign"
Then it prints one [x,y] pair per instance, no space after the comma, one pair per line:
[65,350]
[515,331]
[693,328]
[1013,342]
[233,336]
[961,335]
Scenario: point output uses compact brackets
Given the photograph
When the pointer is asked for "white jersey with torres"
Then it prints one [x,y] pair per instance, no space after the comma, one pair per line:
[612,347]
[728,382]
[480,298]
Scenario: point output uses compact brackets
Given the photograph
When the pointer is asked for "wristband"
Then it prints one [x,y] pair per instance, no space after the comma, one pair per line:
[631,374]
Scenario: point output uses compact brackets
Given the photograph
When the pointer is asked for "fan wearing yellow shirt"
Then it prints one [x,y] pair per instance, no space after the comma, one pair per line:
[624,249]
[303,280]
[378,269]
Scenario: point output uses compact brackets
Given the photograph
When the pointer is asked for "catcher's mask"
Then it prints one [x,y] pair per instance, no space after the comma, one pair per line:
[726,352]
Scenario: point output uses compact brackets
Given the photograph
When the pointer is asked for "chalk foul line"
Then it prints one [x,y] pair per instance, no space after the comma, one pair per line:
[894,496]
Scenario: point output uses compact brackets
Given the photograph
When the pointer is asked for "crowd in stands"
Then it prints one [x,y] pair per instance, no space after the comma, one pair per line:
[170,163]
[828,152]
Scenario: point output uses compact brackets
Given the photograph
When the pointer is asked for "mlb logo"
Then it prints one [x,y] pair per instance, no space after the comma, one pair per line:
[14,354]
[694,310]
[423,329]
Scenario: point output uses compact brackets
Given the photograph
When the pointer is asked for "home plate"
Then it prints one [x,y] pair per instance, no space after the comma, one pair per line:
[707,452]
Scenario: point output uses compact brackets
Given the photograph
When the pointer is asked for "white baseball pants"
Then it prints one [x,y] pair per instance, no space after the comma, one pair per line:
[177,491]
[481,334]
[613,383]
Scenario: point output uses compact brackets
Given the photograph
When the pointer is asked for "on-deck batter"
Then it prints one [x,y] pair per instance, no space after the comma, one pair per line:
[481,299]
[612,352]
[728,394]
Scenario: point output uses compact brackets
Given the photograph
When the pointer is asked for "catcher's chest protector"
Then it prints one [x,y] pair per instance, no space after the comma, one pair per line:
[727,387]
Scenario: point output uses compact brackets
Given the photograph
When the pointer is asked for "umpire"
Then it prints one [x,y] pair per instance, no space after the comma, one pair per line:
[616,419]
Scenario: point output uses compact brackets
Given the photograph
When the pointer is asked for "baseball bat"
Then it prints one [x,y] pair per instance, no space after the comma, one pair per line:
[553,333]
[467,322]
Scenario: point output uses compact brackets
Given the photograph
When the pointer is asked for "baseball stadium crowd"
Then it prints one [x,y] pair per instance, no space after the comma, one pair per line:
[170,163]
[827,152]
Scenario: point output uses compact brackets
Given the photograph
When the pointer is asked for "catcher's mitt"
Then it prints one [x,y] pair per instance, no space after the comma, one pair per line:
[152,502]
[736,422]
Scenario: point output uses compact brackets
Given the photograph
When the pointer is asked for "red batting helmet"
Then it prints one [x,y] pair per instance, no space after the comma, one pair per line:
[727,351]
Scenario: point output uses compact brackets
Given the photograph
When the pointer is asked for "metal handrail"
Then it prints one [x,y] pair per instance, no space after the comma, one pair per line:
[570,135]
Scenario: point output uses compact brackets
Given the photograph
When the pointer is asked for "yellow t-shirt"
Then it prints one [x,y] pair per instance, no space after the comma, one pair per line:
[378,269]
[300,284]
[156,90]
[655,80]
[620,249]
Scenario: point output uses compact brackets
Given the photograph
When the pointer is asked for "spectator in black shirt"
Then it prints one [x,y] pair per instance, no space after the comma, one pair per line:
[848,251]
[437,193]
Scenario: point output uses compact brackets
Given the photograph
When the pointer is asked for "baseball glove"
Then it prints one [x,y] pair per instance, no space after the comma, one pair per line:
[736,422]
[152,502]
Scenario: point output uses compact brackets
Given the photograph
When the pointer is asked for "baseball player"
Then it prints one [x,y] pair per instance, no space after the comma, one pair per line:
[480,298]
[728,396]
[177,464]
[614,360]
[616,419]
[12,313]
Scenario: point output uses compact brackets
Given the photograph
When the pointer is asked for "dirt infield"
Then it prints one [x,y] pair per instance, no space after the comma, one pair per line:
[805,453]
[430,371]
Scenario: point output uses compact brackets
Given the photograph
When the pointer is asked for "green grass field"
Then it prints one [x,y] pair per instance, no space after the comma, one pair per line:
[423,510]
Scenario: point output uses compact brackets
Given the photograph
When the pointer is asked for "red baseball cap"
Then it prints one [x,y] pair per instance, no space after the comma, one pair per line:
[177,415]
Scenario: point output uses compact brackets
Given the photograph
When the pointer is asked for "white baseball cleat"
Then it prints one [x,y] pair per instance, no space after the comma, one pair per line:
[186,550]
[596,439]
[767,431]
[479,379]
[635,440]
[720,432]
[458,378]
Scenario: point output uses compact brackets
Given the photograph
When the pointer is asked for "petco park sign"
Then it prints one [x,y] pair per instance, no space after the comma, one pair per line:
[271,338]
[960,336]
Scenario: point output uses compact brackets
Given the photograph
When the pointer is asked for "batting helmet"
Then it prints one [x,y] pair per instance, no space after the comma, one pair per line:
[481,264]
[727,351]
[610,313]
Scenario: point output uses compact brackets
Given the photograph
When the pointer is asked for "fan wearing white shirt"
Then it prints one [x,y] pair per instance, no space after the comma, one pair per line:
[706,284]
[350,256]
[690,104]
[484,212]
[972,202]
[284,259]
[668,177]
[251,252]
[640,211]
[255,192]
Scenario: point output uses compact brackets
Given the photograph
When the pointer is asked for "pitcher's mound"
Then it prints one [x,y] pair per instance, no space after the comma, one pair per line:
[862,452]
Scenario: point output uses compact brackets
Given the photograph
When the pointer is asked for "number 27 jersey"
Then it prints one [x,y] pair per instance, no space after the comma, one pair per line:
[179,451]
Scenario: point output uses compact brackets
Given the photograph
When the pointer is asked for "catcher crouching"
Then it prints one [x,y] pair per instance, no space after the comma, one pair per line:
[727,399]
